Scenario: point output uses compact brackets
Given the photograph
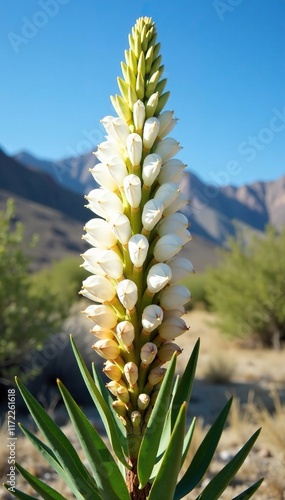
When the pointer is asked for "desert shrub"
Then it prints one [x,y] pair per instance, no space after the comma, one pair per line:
[28,314]
[197,285]
[220,368]
[64,278]
[247,289]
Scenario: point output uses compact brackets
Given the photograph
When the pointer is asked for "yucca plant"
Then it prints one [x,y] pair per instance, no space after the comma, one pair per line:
[137,313]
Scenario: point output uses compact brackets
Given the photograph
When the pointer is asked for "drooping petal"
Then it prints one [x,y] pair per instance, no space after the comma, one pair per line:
[99,234]
[102,315]
[152,213]
[150,169]
[166,148]
[171,171]
[158,277]
[121,227]
[103,262]
[167,193]
[138,247]
[175,223]
[104,203]
[174,296]
[166,247]
[148,353]
[100,288]
[126,332]
[107,349]
[172,328]
[127,292]
[180,267]
[152,317]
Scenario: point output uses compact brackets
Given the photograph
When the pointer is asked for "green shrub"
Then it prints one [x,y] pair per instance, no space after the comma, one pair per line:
[28,314]
[247,290]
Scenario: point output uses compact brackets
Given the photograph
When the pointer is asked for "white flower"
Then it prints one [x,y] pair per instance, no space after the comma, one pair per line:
[167,193]
[99,287]
[167,122]
[185,236]
[121,227]
[125,332]
[102,315]
[117,170]
[103,262]
[156,375]
[112,371]
[166,247]
[134,148]
[132,188]
[166,148]
[127,293]
[116,128]
[175,223]
[104,203]
[148,353]
[167,350]
[108,151]
[131,372]
[171,171]
[107,348]
[150,132]
[152,213]
[143,401]
[152,317]
[102,333]
[139,114]
[174,296]
[138,247]
[172,328]
[103,177]
[158,276]
[150,169]
[99,234]
[176,205]
[180,268]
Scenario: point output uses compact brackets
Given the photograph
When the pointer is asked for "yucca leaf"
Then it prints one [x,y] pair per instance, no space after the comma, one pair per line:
[61,446]
[184,389]
[18,493]
[165,482]
[203,456]
[218,484]
[106,473]
[50,457]
[187,440]
[46,492]
[245,495]
[103,408]
[150,442]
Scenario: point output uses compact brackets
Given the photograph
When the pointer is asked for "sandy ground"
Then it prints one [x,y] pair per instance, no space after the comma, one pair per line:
[255,377]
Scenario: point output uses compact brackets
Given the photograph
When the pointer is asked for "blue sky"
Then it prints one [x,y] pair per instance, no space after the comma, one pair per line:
[224,60]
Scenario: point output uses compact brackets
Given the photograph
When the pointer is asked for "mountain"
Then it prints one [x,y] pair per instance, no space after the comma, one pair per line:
[72,173]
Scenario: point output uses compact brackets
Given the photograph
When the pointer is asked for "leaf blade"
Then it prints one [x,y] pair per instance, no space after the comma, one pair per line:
[245,495]
[46,492]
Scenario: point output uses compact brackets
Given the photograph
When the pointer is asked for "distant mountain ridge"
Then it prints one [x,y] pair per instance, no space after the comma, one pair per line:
[52,205]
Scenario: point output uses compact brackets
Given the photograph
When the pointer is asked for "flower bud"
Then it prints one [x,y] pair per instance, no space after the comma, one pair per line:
[152,317]
[143,401]
[115,386]
[133,191]
[166,247]
[138,248]
[107,348]
[171,328]
[102,333]
[112,371]
[171,171]
[136,418]
[139,114]
[119,407]
[116,128]
[158,276]
[166,148]
[104,203]
[175,223]
[180,268]
[123,394]
[121,107]
[167,122]
[108,150]
[151,104]
[156,375]
[167,193]
[150,169]
[150,132]
[185,236]
[134,148]
[127,292]
[131,373]
[100,288]
[174,296]
[103,262]
[121,227]
[176,205]
[152,213]
[103,177]
[174,313]
[125,332]
[102,315]
[117,170]
[99,234]
[167,350]
[148,353]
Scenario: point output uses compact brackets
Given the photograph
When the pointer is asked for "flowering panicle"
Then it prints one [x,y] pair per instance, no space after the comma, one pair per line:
[134,262]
